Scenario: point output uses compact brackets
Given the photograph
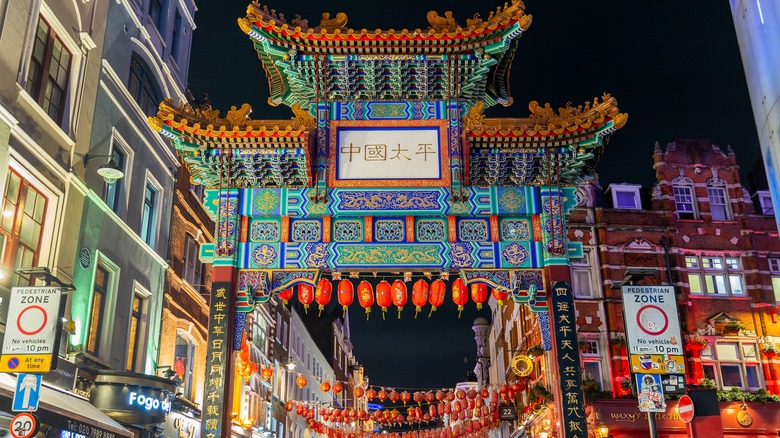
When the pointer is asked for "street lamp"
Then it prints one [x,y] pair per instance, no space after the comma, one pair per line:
[603,430]
[290,365]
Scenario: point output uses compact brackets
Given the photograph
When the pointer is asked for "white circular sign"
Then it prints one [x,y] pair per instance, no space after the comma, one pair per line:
[32,320]
[24,425]
[652,320]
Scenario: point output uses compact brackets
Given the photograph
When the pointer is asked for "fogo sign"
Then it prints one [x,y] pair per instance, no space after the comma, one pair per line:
[31,330]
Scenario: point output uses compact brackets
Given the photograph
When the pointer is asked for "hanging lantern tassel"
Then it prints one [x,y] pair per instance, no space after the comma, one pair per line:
[399,295]
[479,294]
[383,296]
[365,296]
[419,295]
[436,295]
[459,294]
[346,295]
[322,294]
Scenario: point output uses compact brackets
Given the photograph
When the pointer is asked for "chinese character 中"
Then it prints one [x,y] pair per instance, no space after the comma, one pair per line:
[351,150]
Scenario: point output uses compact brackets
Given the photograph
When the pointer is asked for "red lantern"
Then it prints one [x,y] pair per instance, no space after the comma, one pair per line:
[305,296]
[301,381]
[383,296]
[285,295]
[479,294]
[393,396]
[346,294]
[325,386]
[382,395]
[405,397]
[459,294]
[289,405]
[267,373]
[358,392]
[500,296]
[419,295]
[365,296]
[323,293]
[436,295]
[371,394]
[418,397]
[399,295]
[338,387]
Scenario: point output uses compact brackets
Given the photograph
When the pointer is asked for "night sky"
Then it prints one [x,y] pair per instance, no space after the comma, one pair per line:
[674,67]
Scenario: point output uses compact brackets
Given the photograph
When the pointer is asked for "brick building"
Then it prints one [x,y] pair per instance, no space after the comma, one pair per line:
[698,230]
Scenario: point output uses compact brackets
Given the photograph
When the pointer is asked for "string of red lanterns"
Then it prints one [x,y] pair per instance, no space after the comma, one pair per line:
[396,294]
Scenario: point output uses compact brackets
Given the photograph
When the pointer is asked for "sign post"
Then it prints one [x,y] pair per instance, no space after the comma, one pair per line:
[654,343]
[31,337]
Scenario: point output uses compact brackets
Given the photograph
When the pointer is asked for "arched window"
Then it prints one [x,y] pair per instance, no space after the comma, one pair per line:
[143,86]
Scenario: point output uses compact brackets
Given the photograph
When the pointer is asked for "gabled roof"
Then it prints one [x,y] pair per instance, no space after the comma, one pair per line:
[330,61]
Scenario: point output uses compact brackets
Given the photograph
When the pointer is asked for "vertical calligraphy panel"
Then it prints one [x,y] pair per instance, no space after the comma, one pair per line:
[572,400]
[216,374]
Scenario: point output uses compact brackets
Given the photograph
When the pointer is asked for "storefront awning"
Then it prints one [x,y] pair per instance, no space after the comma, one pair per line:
[67,405]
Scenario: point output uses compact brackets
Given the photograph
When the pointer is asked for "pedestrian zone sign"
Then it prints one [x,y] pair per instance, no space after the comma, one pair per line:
[31,330]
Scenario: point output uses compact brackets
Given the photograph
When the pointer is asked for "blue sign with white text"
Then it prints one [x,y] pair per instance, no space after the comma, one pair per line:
[28,393]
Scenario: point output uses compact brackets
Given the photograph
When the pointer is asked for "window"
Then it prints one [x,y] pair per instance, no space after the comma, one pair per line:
[156,13]
[21,225]
[197,191]
[192,264]
[47,76]
[774,269]
[259,333]
[709,275]
[142,86]
[733,365]
[149,218]
[582,277]
[625,196]
[176,37]
[718,203]
[683,199]
[136,331]
[765,202]
[100,287]
[183,365]
[114,189]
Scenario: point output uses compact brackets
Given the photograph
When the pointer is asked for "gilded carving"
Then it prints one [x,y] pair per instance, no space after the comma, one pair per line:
[411,255]
[440,23]
[329,24]
[302,117]
[240,116]
[474,115]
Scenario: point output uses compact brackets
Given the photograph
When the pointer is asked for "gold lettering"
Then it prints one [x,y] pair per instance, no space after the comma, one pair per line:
[221,293]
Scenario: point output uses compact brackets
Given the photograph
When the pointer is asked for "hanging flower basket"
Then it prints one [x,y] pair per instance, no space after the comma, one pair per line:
[696,343]
[770,350]
[584,345]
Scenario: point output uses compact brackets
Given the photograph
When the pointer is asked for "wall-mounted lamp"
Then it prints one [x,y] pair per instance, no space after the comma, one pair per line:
[168,372]
[289,365]
[109,171]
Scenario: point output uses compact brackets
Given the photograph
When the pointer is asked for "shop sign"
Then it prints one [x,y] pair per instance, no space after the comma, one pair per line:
[181,426]
[64,376]
[389,153]
[652,325]
[31,334]
[130,403]
[216,356]
[567,349]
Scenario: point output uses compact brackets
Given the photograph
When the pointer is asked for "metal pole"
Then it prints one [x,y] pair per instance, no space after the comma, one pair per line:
[651,424]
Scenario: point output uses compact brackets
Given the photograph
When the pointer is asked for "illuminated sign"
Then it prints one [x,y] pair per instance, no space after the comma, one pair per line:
[389,153]
[149,403]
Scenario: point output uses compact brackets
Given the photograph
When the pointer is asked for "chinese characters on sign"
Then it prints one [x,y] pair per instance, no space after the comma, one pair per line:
[567,349]
[215,362]
[377,153]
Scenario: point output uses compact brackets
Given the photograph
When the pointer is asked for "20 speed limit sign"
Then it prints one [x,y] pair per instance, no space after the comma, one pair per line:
[24,425]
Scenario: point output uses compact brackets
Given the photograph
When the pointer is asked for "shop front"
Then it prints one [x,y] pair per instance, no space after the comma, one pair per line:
[60,414]
[139,402]
[736,420]
[183,421]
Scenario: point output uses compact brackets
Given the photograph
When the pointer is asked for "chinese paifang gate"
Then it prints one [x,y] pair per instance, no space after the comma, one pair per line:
[389,165]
